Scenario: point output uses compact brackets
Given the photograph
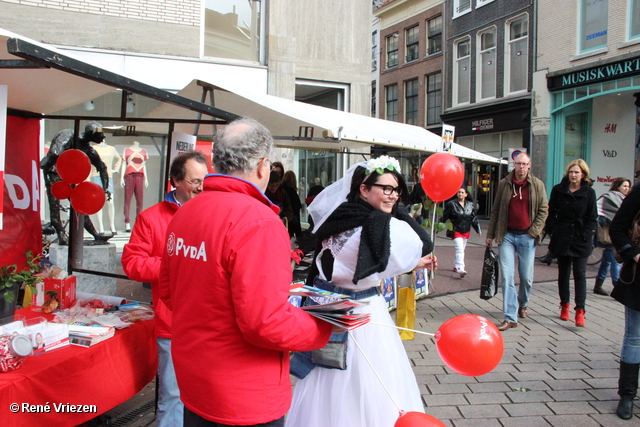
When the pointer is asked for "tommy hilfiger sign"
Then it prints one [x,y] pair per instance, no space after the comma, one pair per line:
[600,73]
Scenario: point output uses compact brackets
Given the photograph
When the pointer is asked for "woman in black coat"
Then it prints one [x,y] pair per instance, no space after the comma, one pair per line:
[572,223]
[627,291]
[462,213]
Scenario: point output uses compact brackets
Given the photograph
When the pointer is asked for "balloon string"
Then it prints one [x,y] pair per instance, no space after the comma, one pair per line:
[404,329]
[375,372]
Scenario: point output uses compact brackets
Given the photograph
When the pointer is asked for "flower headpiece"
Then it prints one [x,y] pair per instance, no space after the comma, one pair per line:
[380,164]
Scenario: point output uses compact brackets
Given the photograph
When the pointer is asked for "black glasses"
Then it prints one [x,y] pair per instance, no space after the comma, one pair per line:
[388,189]
[195,183]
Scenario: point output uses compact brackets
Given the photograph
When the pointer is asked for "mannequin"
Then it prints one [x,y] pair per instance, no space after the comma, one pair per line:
[112,160]
[134,176]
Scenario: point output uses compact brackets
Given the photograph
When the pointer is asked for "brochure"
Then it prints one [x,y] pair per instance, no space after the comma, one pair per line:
[340,313]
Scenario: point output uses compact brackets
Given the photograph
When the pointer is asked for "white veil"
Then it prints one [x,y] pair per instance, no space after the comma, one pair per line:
[331,197]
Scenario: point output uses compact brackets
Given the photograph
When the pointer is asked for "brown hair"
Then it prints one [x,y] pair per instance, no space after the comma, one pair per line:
[617,183]
[289,179]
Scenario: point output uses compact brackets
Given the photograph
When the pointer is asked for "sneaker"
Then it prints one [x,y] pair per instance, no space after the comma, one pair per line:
[462,274]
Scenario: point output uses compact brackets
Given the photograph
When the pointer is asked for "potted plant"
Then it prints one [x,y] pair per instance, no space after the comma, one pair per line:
[11,280]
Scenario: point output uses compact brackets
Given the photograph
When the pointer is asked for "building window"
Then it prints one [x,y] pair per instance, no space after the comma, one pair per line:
[411,102]
[517,55]
[594,15]
[411,38]
[480,3]
[434,35]
[434,98]
[374,109]
[392,50]
[234,29]
[392,103]
[634,23]
[460,7]
[462,72]
[487,64]
[374,51]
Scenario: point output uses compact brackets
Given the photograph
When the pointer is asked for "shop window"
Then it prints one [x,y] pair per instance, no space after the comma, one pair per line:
[434,98]
[594,15]
[434,35]
[411,102]
[392,50]
[487,64]
[411,39]
[517,55]
[392,103]
[460,7]
[234,29]
[462,72]
[634,19]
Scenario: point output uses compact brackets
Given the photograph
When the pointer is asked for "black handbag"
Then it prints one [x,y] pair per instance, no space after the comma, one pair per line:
[449,233]
[490,273]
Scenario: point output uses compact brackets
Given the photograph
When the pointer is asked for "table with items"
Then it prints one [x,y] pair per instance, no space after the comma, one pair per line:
[73,384]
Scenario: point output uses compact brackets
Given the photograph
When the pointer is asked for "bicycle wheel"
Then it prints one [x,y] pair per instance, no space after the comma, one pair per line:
[595,257]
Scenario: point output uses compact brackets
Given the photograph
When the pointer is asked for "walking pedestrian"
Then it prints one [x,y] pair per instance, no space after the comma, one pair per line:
[627,291]
[462,213]
[608,204]
[572,225]
[517,219]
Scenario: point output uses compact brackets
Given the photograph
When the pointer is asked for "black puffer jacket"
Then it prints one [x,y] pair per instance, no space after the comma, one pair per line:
[627,289]
[572,220]
[461,218]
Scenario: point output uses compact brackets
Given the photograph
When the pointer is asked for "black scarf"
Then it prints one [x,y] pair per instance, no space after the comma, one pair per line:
[375,240]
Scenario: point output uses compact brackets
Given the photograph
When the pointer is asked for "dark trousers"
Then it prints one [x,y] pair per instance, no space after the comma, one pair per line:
[579,278]
[195,420]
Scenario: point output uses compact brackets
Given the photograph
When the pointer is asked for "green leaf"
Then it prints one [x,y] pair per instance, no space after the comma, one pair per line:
[380,171]
[439,211]
[9,297]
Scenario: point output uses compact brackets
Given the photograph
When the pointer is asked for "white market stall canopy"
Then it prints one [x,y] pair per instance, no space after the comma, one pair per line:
[47,80]
[300,125]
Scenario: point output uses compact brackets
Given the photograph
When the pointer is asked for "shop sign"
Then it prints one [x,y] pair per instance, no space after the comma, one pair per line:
[596,74]
[483,124]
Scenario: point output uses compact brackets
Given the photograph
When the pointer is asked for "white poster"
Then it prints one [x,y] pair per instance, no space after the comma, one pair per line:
[448,133]
[3,143]
[181,143]
[513,153]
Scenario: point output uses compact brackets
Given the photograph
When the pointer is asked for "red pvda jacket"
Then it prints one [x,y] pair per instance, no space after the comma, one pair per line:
[226,275]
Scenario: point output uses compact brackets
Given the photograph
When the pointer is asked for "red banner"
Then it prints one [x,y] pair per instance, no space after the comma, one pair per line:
[22,230]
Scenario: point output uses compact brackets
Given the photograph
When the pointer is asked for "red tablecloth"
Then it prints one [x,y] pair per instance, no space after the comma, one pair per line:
[105,375]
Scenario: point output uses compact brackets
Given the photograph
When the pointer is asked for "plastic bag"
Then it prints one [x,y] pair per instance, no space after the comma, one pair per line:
[406,314]
[490,273]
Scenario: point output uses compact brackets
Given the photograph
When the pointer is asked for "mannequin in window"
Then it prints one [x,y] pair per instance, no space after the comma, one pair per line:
[134,177]
[112,161]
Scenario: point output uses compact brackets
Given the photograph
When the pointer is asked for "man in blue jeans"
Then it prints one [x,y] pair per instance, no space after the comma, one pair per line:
[517,219]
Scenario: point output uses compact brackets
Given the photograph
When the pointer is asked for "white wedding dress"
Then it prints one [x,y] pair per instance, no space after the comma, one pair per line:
[355,397]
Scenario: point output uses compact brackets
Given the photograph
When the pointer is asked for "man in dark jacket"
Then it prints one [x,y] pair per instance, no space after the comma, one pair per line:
[517,219]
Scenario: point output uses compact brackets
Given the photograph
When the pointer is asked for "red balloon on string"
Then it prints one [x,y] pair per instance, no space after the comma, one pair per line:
[418,419]
[441,176]
[61,190]
[470,345]
[73,166]
[87,198]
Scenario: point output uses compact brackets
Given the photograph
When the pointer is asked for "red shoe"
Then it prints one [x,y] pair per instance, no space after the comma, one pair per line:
[579,317]
[564,312]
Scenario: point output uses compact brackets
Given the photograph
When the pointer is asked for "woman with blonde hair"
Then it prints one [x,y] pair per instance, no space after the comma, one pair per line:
[572,224]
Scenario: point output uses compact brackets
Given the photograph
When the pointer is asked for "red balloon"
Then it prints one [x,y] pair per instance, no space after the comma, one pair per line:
[418,419]
[87,198]
[61,190]
[470,345]
[73,166]
[441,176]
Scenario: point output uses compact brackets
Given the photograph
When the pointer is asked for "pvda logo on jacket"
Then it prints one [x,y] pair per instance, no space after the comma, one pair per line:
[177,246]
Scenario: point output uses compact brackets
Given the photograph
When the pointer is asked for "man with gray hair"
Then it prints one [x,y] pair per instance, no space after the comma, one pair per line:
[226,273]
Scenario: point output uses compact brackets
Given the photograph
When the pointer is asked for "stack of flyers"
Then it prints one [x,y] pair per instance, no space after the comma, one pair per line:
[339,313]
[311,291]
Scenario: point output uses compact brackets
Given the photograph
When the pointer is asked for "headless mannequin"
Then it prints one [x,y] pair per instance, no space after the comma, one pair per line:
[134,176]
[112,160]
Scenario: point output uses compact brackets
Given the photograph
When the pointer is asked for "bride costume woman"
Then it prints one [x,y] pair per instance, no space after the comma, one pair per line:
[363,238]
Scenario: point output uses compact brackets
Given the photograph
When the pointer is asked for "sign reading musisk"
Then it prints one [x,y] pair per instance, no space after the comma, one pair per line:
[611,71]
